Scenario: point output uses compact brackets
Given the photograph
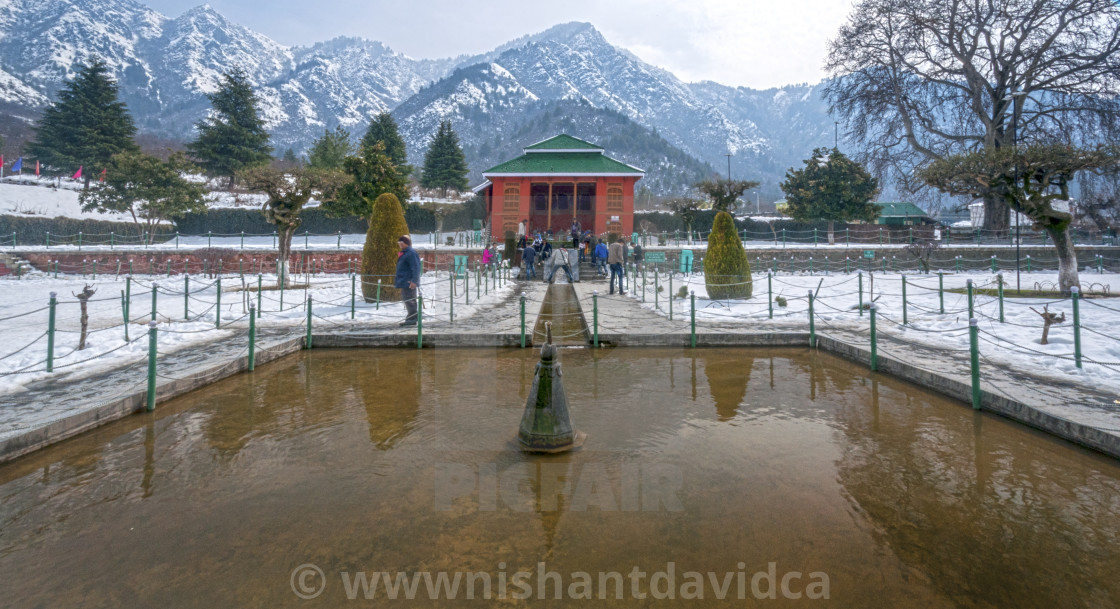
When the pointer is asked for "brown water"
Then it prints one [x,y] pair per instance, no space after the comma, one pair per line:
[561,308]
[714,460]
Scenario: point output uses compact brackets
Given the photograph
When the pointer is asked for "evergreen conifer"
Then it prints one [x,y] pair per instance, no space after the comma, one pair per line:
[233,137]
[86,127]
[445,167]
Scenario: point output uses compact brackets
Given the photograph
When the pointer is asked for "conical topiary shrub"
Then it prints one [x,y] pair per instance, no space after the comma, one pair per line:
[379,257]
[727,273]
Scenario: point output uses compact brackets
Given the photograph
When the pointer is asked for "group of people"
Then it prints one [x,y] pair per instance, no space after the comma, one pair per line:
[536,249]
[613,257]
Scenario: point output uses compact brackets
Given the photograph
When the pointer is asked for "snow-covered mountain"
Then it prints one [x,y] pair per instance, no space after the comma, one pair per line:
[166,66]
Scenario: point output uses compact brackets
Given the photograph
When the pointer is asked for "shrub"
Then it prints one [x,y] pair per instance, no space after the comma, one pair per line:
[511,253]
[727,272]
[379,257]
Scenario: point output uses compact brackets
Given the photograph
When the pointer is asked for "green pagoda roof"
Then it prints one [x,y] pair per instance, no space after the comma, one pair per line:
[563,155]
[563,142]
[895,209]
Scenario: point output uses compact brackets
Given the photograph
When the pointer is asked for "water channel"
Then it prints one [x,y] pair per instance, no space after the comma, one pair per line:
[714,460]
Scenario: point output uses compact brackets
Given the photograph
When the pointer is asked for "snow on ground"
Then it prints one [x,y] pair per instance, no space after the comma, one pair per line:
[254,243]
[1014,343]
[28,197]
[24,316]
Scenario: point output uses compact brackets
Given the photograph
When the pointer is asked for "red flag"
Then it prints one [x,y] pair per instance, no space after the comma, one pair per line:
[77,174]
[102,178]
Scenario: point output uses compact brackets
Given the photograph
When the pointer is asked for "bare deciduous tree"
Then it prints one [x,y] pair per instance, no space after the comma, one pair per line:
[919,80]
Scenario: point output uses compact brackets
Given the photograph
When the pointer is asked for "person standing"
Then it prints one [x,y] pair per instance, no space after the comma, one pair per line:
[575,234]
[561,262]
[521,228]
[614,259]
[639,256]
[408,277]
[529,257]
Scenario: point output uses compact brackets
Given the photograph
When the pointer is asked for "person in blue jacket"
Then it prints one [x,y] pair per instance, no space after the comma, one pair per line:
[408,277]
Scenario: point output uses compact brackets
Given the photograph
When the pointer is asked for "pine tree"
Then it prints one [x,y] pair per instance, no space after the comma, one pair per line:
[384,129]
[330,150]
[445,167]
[233,137]
[86,127]
[831,187]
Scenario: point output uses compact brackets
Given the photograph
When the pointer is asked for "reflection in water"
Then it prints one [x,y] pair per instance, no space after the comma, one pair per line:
[333,458]
[727,382]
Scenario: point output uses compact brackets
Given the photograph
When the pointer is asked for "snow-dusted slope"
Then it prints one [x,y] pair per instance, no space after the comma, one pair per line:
[166,66]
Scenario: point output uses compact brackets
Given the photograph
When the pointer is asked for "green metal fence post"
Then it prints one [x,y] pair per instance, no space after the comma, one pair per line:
[151,366]
[218,304]
[974,360]
[643,284]
[354,296]
[671,295]
[467,286]
[79,240]
[209,238]
[904,317]
[242,240]
[252,337]
[1028,263]
[307,341]
[154,292]
[999,282]
[259,286]
[1075,294]
[186,296]
[958,259]
[993,264]
[874,339]
[941,290]
[48,239]
[112,239]
[126,301]
[451,299]
[595,317]
[419,322]
[377,300]
[50,332]
[859,275]
[692,295]
[812,322]
[770,294]
[656,289]
[971,314]
[523,320]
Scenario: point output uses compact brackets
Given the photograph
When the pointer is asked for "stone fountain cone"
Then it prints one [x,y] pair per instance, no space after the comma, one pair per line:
[546,426]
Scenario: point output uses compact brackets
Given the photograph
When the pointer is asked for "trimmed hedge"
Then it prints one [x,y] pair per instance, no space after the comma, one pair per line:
[727,272]
[379,256]
[233,220]
[32,230]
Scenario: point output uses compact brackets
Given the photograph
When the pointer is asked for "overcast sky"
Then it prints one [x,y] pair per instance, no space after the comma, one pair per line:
[754,43]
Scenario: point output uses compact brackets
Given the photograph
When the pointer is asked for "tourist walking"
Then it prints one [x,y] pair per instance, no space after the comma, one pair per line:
[639,256]
[408,277]
[487,256]
[614,259]
[600,258]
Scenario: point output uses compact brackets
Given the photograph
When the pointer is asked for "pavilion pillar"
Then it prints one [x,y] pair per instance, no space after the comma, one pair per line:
[549,205]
